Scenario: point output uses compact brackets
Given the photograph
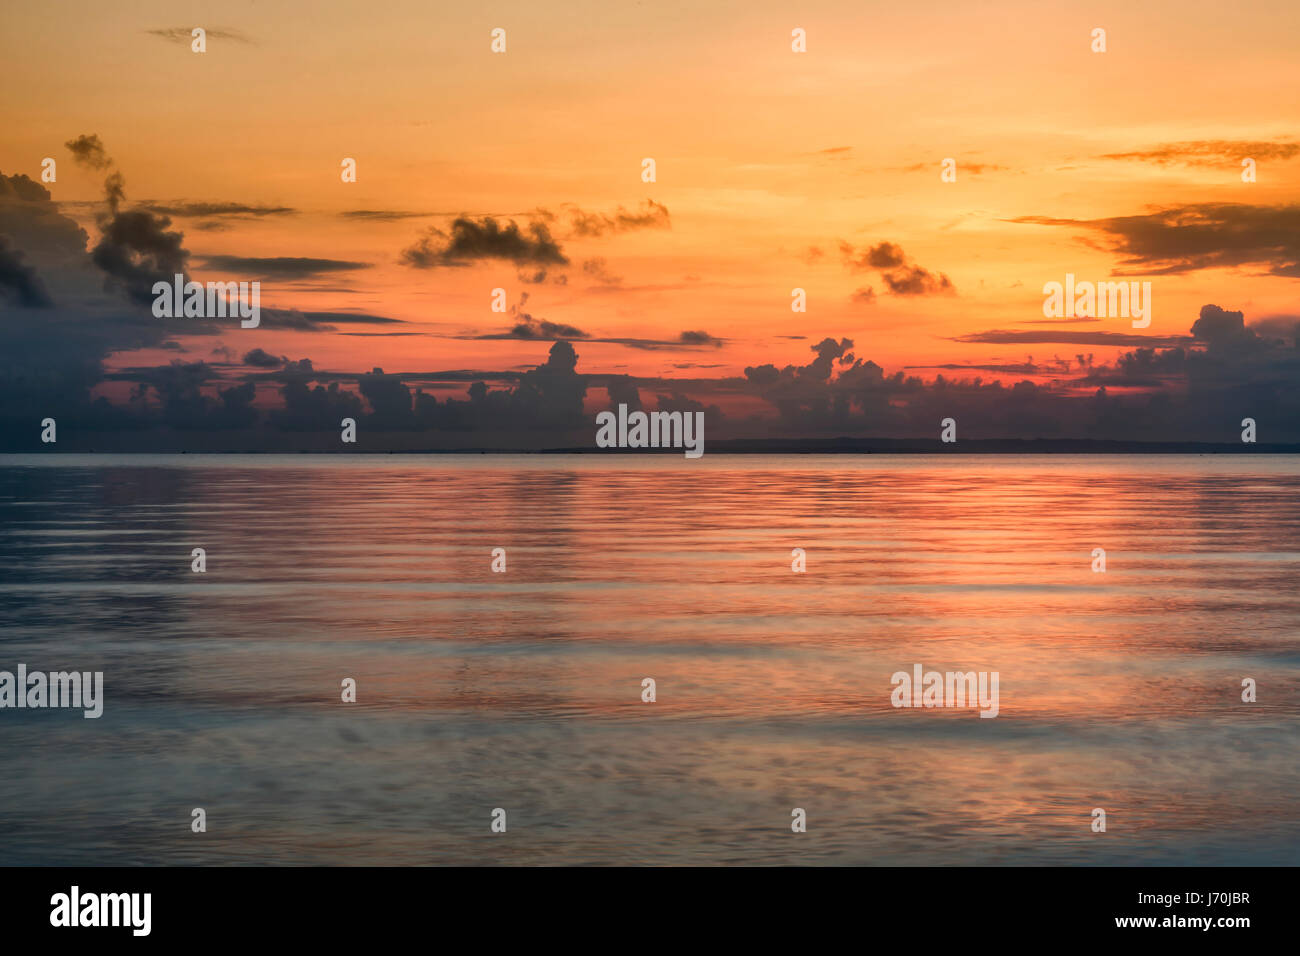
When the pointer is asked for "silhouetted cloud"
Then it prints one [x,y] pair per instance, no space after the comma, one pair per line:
[280,267]
[541,329]
[260,358]
[384,215]
[185,35]
[597,270]
[212,209]
[1021,368]
[901,276]
[883,255]
[651,215]
[1211,152]
[89,151]
[311,321]
[528,327]
[1189,238]
[473,240]
[1046,337]
[532,328]
[136,247]
[701,338]
[18,282]
[913,280]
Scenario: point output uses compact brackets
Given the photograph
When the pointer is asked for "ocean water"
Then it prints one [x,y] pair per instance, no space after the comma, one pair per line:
[522,690]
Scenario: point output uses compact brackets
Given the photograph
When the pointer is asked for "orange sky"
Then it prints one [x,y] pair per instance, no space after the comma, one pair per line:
[742,130]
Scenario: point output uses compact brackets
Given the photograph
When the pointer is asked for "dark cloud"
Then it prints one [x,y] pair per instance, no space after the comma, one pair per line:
[1021,368]
[544,330]
[540,276]
[260,358]
[884,255]
[21,188]
[901,275]
[51,357]
[528,327]
[1197,390]
[383,215]
[382,335]
[280,267]
[597,270]
[913,280]
[136,249]
[532,328]
[180,404]
[185,34]
[547,400]
[209,209]
[1225,332]
[50,243]
[320,321]
[1211,152]
[473,240]
[1190,238]
[88,151]
[651,215]
[622,390]
[19,283]
[1076,320]
[1283,327]
[701,338]
[1015,337]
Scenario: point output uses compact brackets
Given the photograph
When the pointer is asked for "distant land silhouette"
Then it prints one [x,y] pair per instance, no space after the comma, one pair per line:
[763,446]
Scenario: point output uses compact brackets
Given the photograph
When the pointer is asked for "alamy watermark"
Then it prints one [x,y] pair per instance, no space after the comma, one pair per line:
[36,689]
[213,300]
[1098,300]
[75,908]
[950,689]
[651,430]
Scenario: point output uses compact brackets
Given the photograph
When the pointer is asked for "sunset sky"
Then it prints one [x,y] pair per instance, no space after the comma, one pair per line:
[775,170]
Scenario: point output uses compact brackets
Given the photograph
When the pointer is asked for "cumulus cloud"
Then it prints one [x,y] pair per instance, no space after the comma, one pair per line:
[1224,369]
[900,275]
[472,240]
[136,248]
[19,283]
[701,338]
[87,150]
[260,358]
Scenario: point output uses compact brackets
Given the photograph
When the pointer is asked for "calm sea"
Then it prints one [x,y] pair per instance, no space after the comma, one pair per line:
[522,690]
